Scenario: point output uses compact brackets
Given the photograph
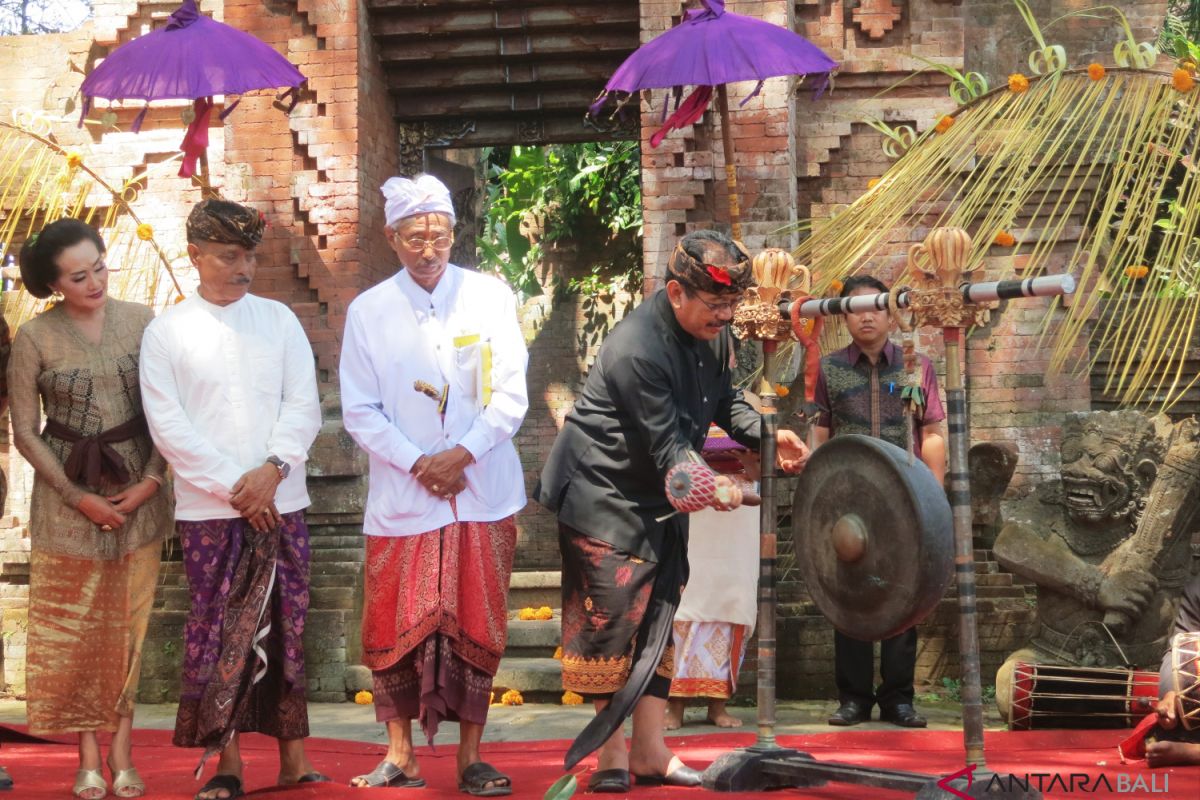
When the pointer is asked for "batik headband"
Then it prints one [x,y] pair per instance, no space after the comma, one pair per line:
[710,278]
[224,222]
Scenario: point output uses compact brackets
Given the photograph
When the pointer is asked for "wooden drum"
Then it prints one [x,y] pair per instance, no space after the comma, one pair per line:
[1048,696]
[1185,665]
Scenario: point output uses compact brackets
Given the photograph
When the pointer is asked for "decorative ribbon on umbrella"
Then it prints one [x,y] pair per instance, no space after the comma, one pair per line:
[692,109]
[195,140]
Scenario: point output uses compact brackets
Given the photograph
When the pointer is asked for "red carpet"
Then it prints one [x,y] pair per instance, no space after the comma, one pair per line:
[48,770]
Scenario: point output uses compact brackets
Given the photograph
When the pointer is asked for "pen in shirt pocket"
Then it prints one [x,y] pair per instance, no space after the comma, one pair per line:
[892,388]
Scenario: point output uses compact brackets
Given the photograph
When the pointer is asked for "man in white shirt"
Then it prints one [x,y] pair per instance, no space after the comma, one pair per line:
[230,395]
[433,389]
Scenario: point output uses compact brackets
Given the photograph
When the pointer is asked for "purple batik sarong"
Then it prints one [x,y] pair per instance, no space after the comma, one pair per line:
[227,687]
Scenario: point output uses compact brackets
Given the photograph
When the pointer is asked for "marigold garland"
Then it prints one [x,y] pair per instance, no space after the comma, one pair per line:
[1137,272]
[1017,83]
[364,698]
[512,698]
[74,159]
[1096,71]
[944,124]
[1182,80]
[145,232]
[835,287]
[571,699]
[1004,239]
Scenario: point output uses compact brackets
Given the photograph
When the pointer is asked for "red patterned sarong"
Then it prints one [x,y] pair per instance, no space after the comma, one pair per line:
[435,620]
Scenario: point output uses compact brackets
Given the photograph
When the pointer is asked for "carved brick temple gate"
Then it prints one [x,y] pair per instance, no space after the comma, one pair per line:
[392,84]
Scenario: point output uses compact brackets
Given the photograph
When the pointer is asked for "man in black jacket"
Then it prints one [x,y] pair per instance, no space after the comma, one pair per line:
[662,376]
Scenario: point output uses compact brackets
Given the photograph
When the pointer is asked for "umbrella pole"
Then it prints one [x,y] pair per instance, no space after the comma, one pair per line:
[735,212]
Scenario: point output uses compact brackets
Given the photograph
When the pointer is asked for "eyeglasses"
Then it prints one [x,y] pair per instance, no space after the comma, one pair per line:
[418,245]
[717,308]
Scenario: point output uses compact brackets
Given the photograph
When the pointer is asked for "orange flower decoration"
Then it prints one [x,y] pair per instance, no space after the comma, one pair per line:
[145,232]
[1017,83]
[1004,239]
[558,653]
[871,184]
[364,698]
[545,612]
[512,698]
[1182,80]
[526,614]
[571,699]
[944,124]
[781,390]
[1137,272]
[1096,71]
[74,159]
[835,287]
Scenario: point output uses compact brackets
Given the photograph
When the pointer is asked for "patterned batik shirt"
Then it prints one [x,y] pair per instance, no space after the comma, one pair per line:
[855,396]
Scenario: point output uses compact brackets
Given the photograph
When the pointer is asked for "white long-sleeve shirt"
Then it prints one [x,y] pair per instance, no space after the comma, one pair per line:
[398,334]
[223,387]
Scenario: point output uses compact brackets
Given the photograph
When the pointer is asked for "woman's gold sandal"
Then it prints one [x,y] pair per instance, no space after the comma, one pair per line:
[87,779]
[127,783]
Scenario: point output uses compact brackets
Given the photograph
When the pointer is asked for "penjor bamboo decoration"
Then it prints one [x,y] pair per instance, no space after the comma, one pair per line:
[1061,171]
[42,181]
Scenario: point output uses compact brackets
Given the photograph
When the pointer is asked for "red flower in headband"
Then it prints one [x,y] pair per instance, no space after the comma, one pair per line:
[719,274]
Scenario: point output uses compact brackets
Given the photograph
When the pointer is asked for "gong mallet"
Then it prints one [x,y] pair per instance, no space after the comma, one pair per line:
[692,486]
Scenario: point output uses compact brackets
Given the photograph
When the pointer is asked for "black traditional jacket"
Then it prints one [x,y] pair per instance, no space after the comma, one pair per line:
[647,402]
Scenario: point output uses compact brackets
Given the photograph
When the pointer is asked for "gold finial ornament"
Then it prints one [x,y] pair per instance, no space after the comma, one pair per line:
[937,267]
[758,316]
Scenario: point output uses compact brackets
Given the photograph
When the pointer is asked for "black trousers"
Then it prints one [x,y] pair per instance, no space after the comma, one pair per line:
[854,669]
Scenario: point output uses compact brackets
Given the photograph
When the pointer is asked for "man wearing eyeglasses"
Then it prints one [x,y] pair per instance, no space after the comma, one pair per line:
[433,389]
[661,378]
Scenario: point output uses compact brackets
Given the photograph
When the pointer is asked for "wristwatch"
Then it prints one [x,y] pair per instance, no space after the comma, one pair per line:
[281,465]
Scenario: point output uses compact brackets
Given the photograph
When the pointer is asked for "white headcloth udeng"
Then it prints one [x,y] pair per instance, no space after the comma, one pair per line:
[425,194]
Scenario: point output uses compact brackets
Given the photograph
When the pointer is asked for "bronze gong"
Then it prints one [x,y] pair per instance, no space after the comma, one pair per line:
[874,536]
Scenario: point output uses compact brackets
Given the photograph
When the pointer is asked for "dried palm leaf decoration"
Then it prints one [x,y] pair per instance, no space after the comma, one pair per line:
[1065,168]
[41,181]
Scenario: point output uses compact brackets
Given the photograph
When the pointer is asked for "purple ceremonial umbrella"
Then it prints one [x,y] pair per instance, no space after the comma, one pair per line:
[710,48]
[192,58]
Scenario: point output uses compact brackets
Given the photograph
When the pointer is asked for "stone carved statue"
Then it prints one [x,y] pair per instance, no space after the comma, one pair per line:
[1109,546]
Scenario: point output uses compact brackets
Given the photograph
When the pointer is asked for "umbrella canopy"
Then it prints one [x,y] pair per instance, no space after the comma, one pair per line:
[193,56]
[712,46]
[709,48]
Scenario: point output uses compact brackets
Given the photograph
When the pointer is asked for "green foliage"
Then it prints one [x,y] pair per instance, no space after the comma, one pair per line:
[953,689]
[1183,21]
[562,789]
[557,191]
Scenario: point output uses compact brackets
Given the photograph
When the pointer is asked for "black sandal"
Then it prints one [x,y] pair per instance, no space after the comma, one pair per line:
[609,781]
[386,774]
[475,780]
[230,783]
[314,777]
